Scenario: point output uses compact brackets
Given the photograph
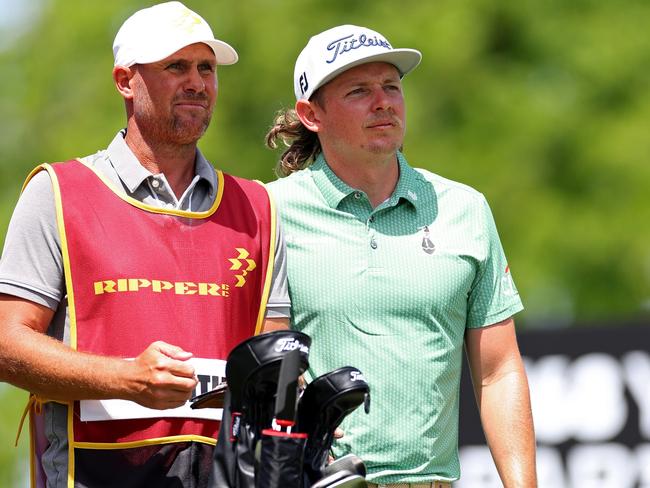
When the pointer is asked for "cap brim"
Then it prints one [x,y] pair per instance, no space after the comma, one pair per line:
[405,60]
[223,52]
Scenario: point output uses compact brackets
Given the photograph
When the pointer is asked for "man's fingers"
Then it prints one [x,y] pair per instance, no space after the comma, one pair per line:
[171,359]
[181,369]
[166,379]
[167,389]
[172,351]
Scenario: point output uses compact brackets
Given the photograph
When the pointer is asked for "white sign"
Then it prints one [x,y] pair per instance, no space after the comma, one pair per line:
[206,369]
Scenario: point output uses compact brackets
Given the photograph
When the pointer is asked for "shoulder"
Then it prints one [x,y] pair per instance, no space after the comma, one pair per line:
[295,179]
[241,182]
[450,191]
[100,158]
[292,186]
[244,189]
[39,181]
[440,183]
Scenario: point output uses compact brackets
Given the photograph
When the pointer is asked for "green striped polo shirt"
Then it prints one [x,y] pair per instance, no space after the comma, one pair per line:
[390,291]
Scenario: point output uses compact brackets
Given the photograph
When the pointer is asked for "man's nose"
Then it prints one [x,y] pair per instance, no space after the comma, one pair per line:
[195,81]
[381,100]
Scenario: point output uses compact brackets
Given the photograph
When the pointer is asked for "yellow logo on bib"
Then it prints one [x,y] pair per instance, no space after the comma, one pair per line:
[238,264]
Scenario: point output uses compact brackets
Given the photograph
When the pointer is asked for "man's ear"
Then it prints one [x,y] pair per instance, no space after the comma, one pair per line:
[122,77]
[308,114]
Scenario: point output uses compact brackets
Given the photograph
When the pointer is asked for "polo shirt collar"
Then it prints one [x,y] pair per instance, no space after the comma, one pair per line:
[133,174]
[334,190]
[331,186]
[408,183]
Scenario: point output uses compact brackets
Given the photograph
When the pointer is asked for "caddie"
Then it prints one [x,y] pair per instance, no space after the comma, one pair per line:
[128,275]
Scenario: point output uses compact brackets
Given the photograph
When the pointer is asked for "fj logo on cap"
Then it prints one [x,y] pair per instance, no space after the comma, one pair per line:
[348,43]
[304,84]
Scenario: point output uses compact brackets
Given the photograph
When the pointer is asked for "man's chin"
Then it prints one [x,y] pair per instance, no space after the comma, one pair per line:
[189,133]
[186,139]
[384,147]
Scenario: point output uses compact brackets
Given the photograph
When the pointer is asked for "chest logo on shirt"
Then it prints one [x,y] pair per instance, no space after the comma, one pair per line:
[427,244]
[242,264]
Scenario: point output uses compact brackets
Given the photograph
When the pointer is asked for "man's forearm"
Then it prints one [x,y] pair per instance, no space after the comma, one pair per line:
[158,378]
[508,425]
[45,366]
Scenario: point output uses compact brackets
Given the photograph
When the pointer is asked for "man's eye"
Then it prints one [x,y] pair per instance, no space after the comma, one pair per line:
[356,91]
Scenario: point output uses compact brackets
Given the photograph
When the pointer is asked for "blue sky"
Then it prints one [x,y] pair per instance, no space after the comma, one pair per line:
[16,16]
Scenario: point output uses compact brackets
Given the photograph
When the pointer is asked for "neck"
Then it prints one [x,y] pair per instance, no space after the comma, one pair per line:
[376,176]
[175,161]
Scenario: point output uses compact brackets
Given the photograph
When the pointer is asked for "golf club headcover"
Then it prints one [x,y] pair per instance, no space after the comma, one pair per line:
[322,407]
[252,371]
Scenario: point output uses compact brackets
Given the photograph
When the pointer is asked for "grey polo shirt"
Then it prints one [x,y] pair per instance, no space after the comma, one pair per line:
[31,266]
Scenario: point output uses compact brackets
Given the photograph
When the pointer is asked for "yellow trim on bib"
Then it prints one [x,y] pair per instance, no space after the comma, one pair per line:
[71,303]
[64,251]
[147,442]
[270,265]
[159,210]
[71,445]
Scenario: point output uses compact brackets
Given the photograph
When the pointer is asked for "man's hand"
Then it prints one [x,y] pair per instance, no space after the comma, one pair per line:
[163,377]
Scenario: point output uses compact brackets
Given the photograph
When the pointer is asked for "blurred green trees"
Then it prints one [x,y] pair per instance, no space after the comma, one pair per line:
[542,106]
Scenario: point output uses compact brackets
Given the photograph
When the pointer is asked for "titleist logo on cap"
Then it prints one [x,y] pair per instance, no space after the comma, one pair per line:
[335,50]
[349,43]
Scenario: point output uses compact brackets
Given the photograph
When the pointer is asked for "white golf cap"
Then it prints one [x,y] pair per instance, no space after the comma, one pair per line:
[335,50]
[153,33]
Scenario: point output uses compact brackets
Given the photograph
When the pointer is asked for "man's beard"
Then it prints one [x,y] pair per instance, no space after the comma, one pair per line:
[182,131]
[174,129]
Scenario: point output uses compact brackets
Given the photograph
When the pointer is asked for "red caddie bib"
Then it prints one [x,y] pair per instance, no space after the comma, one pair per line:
[136,274]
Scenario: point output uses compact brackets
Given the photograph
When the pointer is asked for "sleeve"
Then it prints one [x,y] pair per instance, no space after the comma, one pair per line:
[31,266]
[493,296]
[279,304]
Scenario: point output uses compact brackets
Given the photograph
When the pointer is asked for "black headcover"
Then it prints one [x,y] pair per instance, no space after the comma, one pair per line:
[322,407]
[252,371]
[253,367]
